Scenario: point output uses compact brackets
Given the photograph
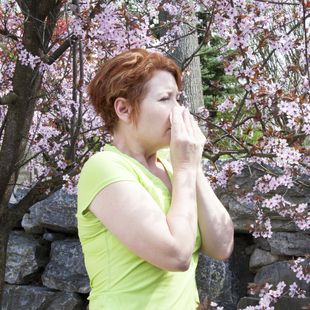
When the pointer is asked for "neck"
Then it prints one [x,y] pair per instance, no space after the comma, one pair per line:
[131,146]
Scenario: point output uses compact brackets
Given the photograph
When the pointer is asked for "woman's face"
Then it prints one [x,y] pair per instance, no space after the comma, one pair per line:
[153,125]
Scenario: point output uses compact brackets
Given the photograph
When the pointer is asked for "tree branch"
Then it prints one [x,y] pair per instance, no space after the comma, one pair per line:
[76,119]
[39,192]
[97,9]
[306,40]
[50,24]
[188,60]
[215,157]
[276,2]
[171,41]
[61,49]
[3,124]
[224,130]
[8,99]
[81,80]
[240,108]
[288,33]
[9,35]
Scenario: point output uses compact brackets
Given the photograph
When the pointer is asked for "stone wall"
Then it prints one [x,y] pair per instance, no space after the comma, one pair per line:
[45,268]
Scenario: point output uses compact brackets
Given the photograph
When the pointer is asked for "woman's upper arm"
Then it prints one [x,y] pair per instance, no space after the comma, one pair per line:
[131,214]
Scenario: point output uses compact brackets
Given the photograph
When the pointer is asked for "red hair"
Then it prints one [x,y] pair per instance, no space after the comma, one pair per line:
[125,75]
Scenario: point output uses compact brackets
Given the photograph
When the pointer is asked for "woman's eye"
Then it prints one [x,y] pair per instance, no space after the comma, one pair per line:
[164,99]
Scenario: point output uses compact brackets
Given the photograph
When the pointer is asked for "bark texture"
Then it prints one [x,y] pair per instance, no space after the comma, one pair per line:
[40,19]
[192,73]
[186,57]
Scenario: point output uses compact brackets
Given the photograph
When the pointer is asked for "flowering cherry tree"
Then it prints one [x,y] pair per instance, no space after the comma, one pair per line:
[269,124]
[50,51]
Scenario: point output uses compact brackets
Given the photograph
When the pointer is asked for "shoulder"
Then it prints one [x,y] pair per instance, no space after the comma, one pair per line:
[106,165]
[101,170]
[100,158]
[105,162]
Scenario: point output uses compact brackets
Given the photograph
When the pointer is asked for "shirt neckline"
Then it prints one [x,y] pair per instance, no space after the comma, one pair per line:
[113,148]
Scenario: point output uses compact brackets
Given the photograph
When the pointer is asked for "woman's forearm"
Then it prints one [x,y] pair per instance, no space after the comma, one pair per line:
[182,215]
[216,226]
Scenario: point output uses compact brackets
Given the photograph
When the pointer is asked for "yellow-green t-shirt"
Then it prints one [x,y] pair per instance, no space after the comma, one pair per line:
[119,279]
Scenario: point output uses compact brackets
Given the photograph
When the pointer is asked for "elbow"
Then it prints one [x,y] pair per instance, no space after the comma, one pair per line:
[183,265]
[180,260]
[218,254]
[176,265]
[222,252]
[172,257]
[226,251]
[223,255]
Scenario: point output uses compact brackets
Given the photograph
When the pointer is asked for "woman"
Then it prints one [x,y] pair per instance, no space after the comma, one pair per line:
[142,221]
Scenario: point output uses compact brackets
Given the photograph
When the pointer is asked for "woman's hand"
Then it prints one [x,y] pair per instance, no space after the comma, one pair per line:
[187,140]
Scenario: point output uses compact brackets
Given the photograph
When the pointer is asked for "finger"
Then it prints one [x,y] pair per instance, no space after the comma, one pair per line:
[197,130]
[177,122]
[188,122]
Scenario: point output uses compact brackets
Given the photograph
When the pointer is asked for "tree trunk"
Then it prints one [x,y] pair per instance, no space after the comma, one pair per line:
[185,57]
[40,18]
[4,235]
[26,84]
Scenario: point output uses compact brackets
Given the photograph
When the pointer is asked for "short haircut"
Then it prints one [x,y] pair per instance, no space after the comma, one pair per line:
[125,75]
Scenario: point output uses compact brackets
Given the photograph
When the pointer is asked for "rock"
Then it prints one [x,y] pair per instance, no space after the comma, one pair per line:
[293,244]
[243,215]
[39,298]
[280,271]
[284,303]
[247,301]
[225,282]
[211,275]
[31,221]
[241,275]
[18,193]
[57,213]
[260,258]
[66,270]
[250,249]
[262,243]
[53,236]
[26,257]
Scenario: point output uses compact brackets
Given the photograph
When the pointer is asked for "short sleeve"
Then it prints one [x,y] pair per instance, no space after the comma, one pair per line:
[99,171]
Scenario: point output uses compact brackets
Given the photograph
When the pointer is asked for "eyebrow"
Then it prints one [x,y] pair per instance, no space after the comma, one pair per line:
[169,92]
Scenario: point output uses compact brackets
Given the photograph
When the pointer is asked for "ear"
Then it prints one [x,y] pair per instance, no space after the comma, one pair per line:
[122,109]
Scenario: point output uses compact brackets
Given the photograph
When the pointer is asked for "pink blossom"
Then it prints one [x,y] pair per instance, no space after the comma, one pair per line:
[227,105]
[301,273]
[268,183]
[203,112]
[261,227]
[294,290]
